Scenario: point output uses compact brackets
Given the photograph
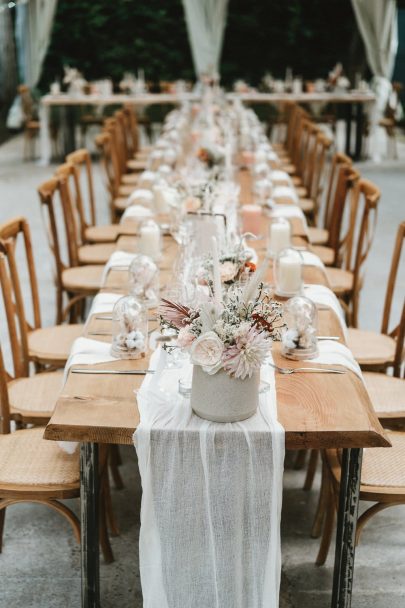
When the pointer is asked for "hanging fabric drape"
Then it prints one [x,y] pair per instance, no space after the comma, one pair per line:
[206,21]
[378,24]
[33,33]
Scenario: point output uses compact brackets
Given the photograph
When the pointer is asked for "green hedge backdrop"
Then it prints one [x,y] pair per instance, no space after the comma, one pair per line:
[106,37]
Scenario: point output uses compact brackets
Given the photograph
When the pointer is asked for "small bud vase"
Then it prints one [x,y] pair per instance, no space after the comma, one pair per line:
[223,398]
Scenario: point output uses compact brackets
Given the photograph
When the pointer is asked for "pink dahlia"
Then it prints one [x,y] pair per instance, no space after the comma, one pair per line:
[246,356]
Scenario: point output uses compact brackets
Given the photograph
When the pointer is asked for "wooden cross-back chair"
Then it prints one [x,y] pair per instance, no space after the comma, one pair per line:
[74,281]
[136,157]
[116,128]
[118,192]
[347,282]
[320,236]
[48,346]
[314,173]
[342,216]
[380,351]
[35,470]
[382,482]
[31,399]
[98,253]
[90,232]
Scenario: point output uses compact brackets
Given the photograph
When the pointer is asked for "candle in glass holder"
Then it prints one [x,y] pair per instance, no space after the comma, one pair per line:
[288,272]
[280,236]
[149,239]
[251,219]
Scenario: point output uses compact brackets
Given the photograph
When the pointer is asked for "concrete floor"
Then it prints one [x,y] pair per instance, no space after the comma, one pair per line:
[39,566]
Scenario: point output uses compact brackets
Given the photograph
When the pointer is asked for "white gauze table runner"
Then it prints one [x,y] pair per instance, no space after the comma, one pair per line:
[211,502]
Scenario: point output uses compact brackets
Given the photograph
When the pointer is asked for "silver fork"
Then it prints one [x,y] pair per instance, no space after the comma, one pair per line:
[293,370]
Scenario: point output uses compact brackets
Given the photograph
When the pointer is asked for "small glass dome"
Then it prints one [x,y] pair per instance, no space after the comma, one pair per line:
[288,272]
[144,280]
[300,338]
[130,329]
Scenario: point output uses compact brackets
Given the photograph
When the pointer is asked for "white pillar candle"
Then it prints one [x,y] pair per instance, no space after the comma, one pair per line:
[289,275]
[149,240]
[280,236]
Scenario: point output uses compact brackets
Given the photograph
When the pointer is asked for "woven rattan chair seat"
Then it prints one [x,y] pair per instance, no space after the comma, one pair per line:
[28,459]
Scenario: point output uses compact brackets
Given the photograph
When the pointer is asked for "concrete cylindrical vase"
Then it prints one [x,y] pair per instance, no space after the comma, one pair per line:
[222,398]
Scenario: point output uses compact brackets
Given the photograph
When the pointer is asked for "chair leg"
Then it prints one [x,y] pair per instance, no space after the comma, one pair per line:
[114,463]
[311,469]
[327,527]
[321,508]
[2,519]
[104,538]
[300,460]
[367,515]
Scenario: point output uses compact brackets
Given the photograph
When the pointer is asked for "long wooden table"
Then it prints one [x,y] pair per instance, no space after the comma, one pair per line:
[317,411]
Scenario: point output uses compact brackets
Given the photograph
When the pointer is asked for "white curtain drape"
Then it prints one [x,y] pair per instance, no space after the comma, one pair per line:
[33,33]
[206,20]
[378,24]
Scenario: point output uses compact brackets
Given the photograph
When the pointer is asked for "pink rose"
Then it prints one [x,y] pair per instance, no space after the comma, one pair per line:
[228,271]
[207,350]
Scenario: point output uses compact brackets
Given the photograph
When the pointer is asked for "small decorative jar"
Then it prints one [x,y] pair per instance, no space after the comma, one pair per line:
[300,339]
[130,329]
[144,280]
[279,235]
[288,273]
[149,241]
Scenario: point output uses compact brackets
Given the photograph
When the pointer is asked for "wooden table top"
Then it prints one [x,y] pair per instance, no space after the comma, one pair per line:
[316,410]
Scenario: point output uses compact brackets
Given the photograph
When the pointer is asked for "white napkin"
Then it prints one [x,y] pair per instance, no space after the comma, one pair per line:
[136,212]
[288,211]
[335,353]
[118,258]
[102,303]
[140,195]
[285,192]
[310,259]
[88,352]
[323,295]
[279,176]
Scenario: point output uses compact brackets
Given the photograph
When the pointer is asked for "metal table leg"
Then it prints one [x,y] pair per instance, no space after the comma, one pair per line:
[89,501]
[346,528]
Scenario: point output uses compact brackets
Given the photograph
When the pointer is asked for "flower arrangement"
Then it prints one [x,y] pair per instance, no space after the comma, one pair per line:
[235,336]
[211,155]
[235,265]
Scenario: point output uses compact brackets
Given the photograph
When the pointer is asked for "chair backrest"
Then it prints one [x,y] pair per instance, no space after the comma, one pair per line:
[81,161]
[316,166]
[4,401]
[105,144]
[132,127]
[12,294]
[54,196]
[11,234]
[399,330]
[366,198]
[69,174]
[338,159]
[341,240]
